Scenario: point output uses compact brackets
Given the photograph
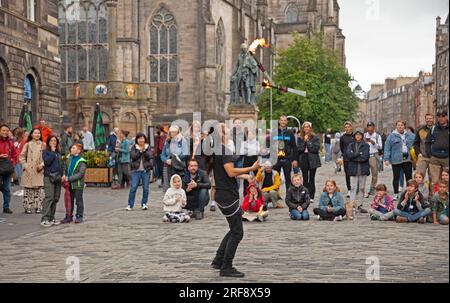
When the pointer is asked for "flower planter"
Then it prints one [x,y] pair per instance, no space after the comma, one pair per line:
[98,177]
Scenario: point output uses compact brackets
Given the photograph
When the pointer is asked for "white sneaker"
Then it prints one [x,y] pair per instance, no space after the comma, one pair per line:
[338,218]
[319,218]
[55,223]
[347,195]
[128,208]
[395,198]
[19,193]
[144,207]
[46,224]
[400,189]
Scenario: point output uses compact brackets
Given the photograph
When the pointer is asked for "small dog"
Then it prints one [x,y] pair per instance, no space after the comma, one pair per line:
[338,168]
[349,208]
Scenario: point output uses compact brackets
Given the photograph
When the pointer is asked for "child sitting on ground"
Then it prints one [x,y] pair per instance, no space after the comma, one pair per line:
[439,204]
[382,207]
[253,206]
[444,176]
[297,199]
[411,207]
[331,204]
[423,186]
[174,201]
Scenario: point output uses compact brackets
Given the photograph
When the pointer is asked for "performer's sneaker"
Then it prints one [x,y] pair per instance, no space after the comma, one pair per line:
[216,265]
[231,272]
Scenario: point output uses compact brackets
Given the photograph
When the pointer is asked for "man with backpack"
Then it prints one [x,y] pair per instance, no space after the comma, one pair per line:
[438,143]
[376,145]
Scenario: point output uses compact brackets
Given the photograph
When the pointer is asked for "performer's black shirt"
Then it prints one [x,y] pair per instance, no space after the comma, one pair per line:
[226,186]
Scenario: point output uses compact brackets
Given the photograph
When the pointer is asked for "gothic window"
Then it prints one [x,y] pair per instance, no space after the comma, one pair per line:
[61,25]
[82,25]
[83,43]
[102,63]
[163,47]
[102,25]
[291,15]
[92,24]
[82,64]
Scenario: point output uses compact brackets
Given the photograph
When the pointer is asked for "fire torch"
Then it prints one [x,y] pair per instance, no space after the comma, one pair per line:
[269,82]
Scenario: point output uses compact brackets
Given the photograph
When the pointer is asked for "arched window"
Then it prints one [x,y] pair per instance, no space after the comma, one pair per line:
[163,47]
[291,15]
[83,29]
[30,95]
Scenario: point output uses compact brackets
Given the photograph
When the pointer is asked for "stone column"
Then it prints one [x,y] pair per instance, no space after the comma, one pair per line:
[112,37]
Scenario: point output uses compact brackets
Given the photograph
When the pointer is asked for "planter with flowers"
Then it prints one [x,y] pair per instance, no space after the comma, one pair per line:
[97,173]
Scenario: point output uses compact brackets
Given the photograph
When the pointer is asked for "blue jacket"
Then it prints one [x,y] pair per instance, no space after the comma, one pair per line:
[337,200]
[393,147]
[358,159]
[52,162]
[124,149]
[177,147]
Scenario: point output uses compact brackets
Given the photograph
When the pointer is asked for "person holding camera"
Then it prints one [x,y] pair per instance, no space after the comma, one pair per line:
[397,153]
[412,207]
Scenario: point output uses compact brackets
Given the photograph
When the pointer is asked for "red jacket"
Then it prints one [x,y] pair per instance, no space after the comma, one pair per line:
[45,131]
[7,147]
[255,205]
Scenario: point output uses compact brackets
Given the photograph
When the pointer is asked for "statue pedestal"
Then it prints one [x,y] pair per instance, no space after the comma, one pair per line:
[243,112]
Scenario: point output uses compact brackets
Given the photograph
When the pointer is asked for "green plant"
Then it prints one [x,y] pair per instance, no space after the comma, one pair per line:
[96,158]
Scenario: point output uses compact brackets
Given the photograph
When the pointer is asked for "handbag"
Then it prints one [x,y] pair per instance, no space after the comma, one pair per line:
[6,166]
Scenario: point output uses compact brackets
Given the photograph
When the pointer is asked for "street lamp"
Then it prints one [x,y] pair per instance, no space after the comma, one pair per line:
[296,119]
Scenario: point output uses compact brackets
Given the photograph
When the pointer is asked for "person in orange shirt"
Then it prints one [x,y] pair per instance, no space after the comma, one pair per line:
[46,131]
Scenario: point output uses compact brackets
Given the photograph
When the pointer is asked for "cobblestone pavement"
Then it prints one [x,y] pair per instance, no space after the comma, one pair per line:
[117,246]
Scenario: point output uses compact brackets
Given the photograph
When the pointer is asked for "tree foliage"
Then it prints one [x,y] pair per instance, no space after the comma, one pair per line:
[310,66]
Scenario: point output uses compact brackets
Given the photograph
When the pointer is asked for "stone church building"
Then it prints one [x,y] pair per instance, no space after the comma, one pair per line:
[153,61]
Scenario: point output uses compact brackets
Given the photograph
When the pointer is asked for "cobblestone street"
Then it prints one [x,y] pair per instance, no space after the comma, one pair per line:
[118,246]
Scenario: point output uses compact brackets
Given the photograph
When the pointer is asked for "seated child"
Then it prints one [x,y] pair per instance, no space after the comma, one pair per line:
[331,204]
[444,176]
[423,186]
[174,200]
[297,199]
[439,204]
[411,207]
[253,206]
[382,207]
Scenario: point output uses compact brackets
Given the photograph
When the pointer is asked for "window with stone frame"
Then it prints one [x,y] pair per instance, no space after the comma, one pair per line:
[83,45]
[163,47]
[291,14]
[31,10]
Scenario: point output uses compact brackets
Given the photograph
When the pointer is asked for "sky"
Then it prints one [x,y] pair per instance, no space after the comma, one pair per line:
[389,38]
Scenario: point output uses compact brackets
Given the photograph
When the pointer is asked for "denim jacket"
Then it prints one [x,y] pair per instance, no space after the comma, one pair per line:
[337,200]
[177,146]
[393,148]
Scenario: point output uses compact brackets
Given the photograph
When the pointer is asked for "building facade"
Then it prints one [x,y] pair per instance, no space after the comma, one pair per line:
[29,60]
[403,98]
[440,68]
[151,61]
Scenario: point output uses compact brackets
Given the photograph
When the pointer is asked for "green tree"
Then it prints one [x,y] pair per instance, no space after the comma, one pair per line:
[310,66]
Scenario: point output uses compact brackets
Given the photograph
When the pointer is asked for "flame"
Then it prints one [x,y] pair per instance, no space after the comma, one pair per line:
[266,83]
[257,43]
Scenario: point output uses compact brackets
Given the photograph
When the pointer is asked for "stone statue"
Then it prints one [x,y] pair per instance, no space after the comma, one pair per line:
[243,78]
